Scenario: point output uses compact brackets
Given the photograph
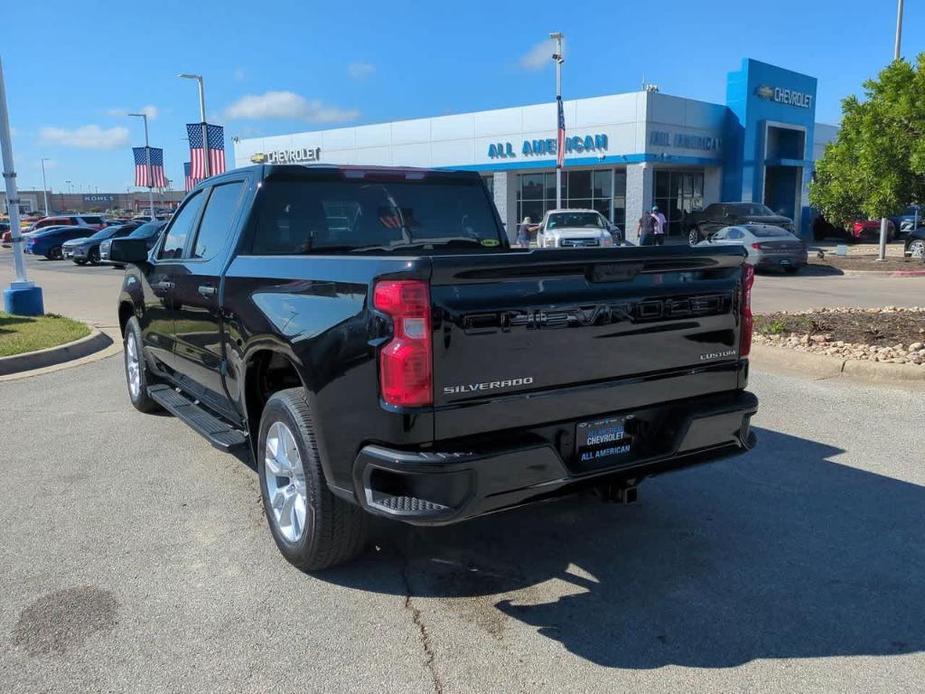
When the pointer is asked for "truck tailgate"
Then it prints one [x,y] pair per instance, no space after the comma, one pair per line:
[522,339]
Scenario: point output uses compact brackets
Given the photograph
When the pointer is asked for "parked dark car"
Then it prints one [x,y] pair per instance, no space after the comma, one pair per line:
[910,218]
[48,242]
[915,244]
[724,214]
[87,250]
[148,232]
[369,336]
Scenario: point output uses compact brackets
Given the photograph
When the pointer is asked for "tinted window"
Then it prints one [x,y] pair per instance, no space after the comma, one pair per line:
[735,234]
[296,217]
[181,228]
[714,210]
[753,209]
[215,228]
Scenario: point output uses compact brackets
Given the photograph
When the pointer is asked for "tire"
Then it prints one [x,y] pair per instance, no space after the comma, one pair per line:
[331,531]
[694,237]
[94,256]
[54,254]
[79,262]
[792,270]
[137,391]
[916,248]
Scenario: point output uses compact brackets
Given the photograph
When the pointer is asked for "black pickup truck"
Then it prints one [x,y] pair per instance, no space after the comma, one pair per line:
[369,336]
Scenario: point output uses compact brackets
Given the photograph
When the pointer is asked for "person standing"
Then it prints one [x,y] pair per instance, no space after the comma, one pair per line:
[645,229]
[523,232]
[661,226]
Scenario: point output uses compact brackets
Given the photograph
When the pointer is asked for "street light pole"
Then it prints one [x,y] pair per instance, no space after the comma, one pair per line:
[202,119]
[150,177]
[896,51]
[45,186]
[899,29]
[22,297]
[559,58]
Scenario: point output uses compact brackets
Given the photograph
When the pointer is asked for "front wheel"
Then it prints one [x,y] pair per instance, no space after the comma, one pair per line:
[312,528]
[917,248]
[79,262]
[94,257]
[136,371]
[54,254]
[693,236]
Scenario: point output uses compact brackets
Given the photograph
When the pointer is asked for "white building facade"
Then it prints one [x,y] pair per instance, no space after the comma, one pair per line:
[624,152]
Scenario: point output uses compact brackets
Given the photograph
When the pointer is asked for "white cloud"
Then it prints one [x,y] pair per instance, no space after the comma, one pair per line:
[85,137]
[360,70]
[149,110]
[285,104]
[539,56]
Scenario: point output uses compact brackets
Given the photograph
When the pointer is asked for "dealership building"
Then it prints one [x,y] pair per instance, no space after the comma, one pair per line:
[624,152]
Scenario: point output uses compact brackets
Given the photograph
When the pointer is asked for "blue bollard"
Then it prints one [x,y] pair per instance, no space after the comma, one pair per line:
[23,299]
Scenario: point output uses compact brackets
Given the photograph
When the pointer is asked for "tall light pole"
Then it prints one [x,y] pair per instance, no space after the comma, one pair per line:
[899,29]
[45,185]
[896,50]
[149,176]
[559,58]
[69,187]
[22,297]
[202,119]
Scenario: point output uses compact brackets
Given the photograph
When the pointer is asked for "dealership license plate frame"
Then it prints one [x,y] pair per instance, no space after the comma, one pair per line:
[615,444]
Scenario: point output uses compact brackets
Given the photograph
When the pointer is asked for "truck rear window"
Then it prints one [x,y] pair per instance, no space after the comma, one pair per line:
[299,217]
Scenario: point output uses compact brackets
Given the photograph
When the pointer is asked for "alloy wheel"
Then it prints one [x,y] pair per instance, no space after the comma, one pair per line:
[917,249]
[133,366]
[285,480]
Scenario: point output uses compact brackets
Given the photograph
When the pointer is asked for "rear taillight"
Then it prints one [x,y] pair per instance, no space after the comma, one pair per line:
[757,246]
[405,362]
[858,226]
[745,310]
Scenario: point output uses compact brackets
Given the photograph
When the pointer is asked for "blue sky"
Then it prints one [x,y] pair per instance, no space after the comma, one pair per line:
[278,67]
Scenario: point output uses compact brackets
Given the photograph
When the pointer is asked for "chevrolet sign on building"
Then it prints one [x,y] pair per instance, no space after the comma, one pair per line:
[301,155]
[786,96]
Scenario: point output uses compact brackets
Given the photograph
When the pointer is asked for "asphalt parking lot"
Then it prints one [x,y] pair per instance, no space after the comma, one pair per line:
[135,557]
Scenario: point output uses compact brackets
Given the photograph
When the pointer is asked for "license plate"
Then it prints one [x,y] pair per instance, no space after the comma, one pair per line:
[604,440]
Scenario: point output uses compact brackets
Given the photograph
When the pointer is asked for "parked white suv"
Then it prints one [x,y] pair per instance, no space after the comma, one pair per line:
[575,229]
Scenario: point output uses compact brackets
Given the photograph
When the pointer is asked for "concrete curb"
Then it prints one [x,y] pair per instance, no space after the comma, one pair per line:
[790,361]
[876,273]
[52,356]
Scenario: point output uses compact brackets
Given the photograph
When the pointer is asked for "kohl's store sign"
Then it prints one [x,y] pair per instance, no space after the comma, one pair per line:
[547,147]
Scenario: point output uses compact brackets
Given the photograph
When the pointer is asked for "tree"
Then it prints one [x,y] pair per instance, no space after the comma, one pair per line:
[876,165]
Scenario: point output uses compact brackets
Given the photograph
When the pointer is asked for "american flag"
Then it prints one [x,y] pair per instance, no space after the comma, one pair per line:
[188,176]
[560,135]
[216,147]
[157,179]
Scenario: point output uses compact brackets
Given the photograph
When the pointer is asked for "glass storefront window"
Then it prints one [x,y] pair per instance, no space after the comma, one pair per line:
[603,190]
[678,193]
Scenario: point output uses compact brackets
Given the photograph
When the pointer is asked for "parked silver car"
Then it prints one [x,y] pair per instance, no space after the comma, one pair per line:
[574,228]
[767,246]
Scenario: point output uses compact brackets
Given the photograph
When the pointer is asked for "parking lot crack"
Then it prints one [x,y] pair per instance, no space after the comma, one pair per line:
[423,632]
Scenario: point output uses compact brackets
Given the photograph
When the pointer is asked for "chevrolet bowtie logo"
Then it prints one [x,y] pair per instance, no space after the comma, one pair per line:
[766,92]
[258,158]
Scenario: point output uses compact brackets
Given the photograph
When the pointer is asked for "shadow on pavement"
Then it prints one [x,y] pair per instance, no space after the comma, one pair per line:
[780,554]
[809,270]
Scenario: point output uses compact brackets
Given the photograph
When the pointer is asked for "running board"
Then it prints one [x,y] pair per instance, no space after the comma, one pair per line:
[219,433]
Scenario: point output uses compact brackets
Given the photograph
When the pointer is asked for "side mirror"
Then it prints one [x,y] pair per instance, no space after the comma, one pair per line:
[128,251]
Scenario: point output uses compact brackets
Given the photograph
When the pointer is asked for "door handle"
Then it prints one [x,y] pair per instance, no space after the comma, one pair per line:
[207,290]
[163,285]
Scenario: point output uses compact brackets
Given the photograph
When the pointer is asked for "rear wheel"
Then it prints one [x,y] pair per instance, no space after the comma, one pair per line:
[54,253]
[917,248]
[312,528]
[94,256]
[81,261]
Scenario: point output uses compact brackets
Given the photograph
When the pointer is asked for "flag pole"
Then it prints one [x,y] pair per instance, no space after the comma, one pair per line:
[559,58]
[22,297]
[148,172]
